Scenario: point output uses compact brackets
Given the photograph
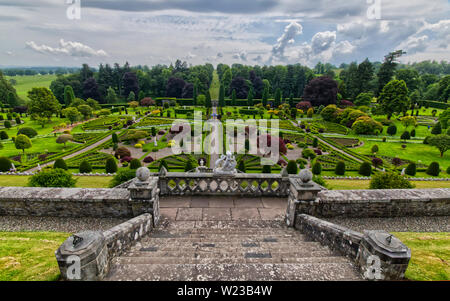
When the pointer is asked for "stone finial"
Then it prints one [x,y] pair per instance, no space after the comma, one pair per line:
[305,176]
[284,172]
[163,171]
[143,174]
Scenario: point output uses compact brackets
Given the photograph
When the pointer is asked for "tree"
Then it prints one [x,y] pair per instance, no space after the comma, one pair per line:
[27,131]
[72,114]
[22,142]
[340,168]
[85,167]
[86,111]
[52,178]
[69,95]
[410,77]
[365,169]
[131,97]
[43,104]
[408,121]
[90,89]
[111,166]
[364,99]
[278,96]
[391,130]
[233,98]
[64,138]
[394,98]
[387,69]
[375,149]
[115,138]
[444,118]
[208,102]
[188,91]
[292,167]
[434,169]
[441,142]
[111,96]
[60,163]
[131,84]
[437,129]
[321,91]
[175,87]
[250,97]
[147,102]
[317,168]
[222,96]
[389,180]
[195,94]
[265,96]
[240,85]
[5,164]
[411,170]
[135,164]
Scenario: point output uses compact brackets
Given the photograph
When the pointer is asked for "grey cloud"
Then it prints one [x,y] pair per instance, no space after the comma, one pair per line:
[323,41]
[290,32]
[74,49]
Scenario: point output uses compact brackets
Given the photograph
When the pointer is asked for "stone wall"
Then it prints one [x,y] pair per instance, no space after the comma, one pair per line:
[378,203]
[66,202]
[90,257]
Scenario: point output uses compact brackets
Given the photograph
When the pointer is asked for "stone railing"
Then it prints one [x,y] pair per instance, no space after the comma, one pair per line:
[276,185]
[378,255]
[87,256]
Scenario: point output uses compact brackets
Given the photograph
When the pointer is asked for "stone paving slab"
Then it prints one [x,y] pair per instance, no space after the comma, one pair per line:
[216,214]
[189,214]
[245,214]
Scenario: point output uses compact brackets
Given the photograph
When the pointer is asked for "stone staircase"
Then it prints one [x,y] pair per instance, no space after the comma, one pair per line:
[215,251]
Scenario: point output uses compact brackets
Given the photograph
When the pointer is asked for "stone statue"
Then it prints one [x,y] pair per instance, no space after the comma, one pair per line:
[226,164]
[403,171]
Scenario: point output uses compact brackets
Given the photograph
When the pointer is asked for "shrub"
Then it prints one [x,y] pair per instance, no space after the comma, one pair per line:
[115,138]
[111,166]
[392,130]
[122,152]
[411,170]
[292,167]
[434,169]
[148,159]
[427,140]
[377,162]
[448,170]
[27,131]
[367,126]
[52,178]
[437,129]
[375,149]
[405,136]
[308,153]
[162,164]
[241,166]
[310,113]
[396,161]
[340,168]
[4,135]
[188,166]
[304,105]
[389,180]
[60,163]
[317,168]
[85,167]
[126,159]
[315,142]
[122,176]
[135,164]
[7,124]
[413,133]
[365,169]
[268,169]
[5,164]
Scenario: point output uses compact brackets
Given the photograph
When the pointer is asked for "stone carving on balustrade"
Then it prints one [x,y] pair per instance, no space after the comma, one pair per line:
[226,165]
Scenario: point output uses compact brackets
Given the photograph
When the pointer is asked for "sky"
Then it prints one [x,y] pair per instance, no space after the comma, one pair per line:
[252,32]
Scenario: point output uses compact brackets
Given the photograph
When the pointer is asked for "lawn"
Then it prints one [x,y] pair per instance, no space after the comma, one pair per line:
[26,83]
[29,256]
[430,255]
[39,145]
[82,182]
[215,86]
[364,184]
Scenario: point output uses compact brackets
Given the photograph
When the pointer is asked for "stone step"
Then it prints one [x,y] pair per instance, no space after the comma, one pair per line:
[241,224]
[186,253]
[233,272]
[225,246]
[178,260]
[225,231]
[231,240]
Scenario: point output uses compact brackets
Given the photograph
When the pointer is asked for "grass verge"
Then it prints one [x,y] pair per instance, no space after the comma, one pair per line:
[82,182]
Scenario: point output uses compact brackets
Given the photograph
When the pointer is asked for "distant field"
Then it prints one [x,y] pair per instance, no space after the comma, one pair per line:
[26,83]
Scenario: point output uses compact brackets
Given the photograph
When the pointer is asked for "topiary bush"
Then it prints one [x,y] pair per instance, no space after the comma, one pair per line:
[122,176]
[122,152]
[188,166]
[135,164]
[405,136]
[389,180]
[60,163]
[365,169]
[4,135]
[448,170]
[413,133]
[52,178]
[375,149]
[5,164]
[308,154]
[241,166]
[85,167]
[437,129]
[27,131]
[317,168]
[392,130]
[292,167]
[111,166]
[340,168]
[268,169]
[434,169]
[411,170]
[148,159]
[376,162]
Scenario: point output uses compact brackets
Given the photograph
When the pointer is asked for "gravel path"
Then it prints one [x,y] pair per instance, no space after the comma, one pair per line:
[57,224]
[398,224]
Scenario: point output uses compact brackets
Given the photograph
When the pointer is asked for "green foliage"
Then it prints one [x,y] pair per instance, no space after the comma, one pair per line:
[292,167]
[64,138]
[375,149]
[60,163]
[394,98]
[329,113]
[27,131]
[7,124]
[365,169]
[437,129]
[43,104]
[241,166]
[52,178]
[367,126]
[188,166]
[115,138]
[85,110]
[317,168]
[162,164]
[315,142]
[340,168]
[22,142]
[4,135]
[308,153]
[411,170]
[389,180]
[405,136]
[69,95]
[363,99]
[85,167]
[111,166]
[441,142]
[72,114]
[5,164]
[268,169]
[122,152]
[434,169]
[122,176]
[135,164]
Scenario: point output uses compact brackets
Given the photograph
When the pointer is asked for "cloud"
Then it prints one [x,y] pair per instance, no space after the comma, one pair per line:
[290,32]
[242,55]
[414,44]
[322,41]
[68,48]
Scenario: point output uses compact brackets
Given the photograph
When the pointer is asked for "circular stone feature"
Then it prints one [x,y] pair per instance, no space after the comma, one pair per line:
[143,174]
[305,176]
